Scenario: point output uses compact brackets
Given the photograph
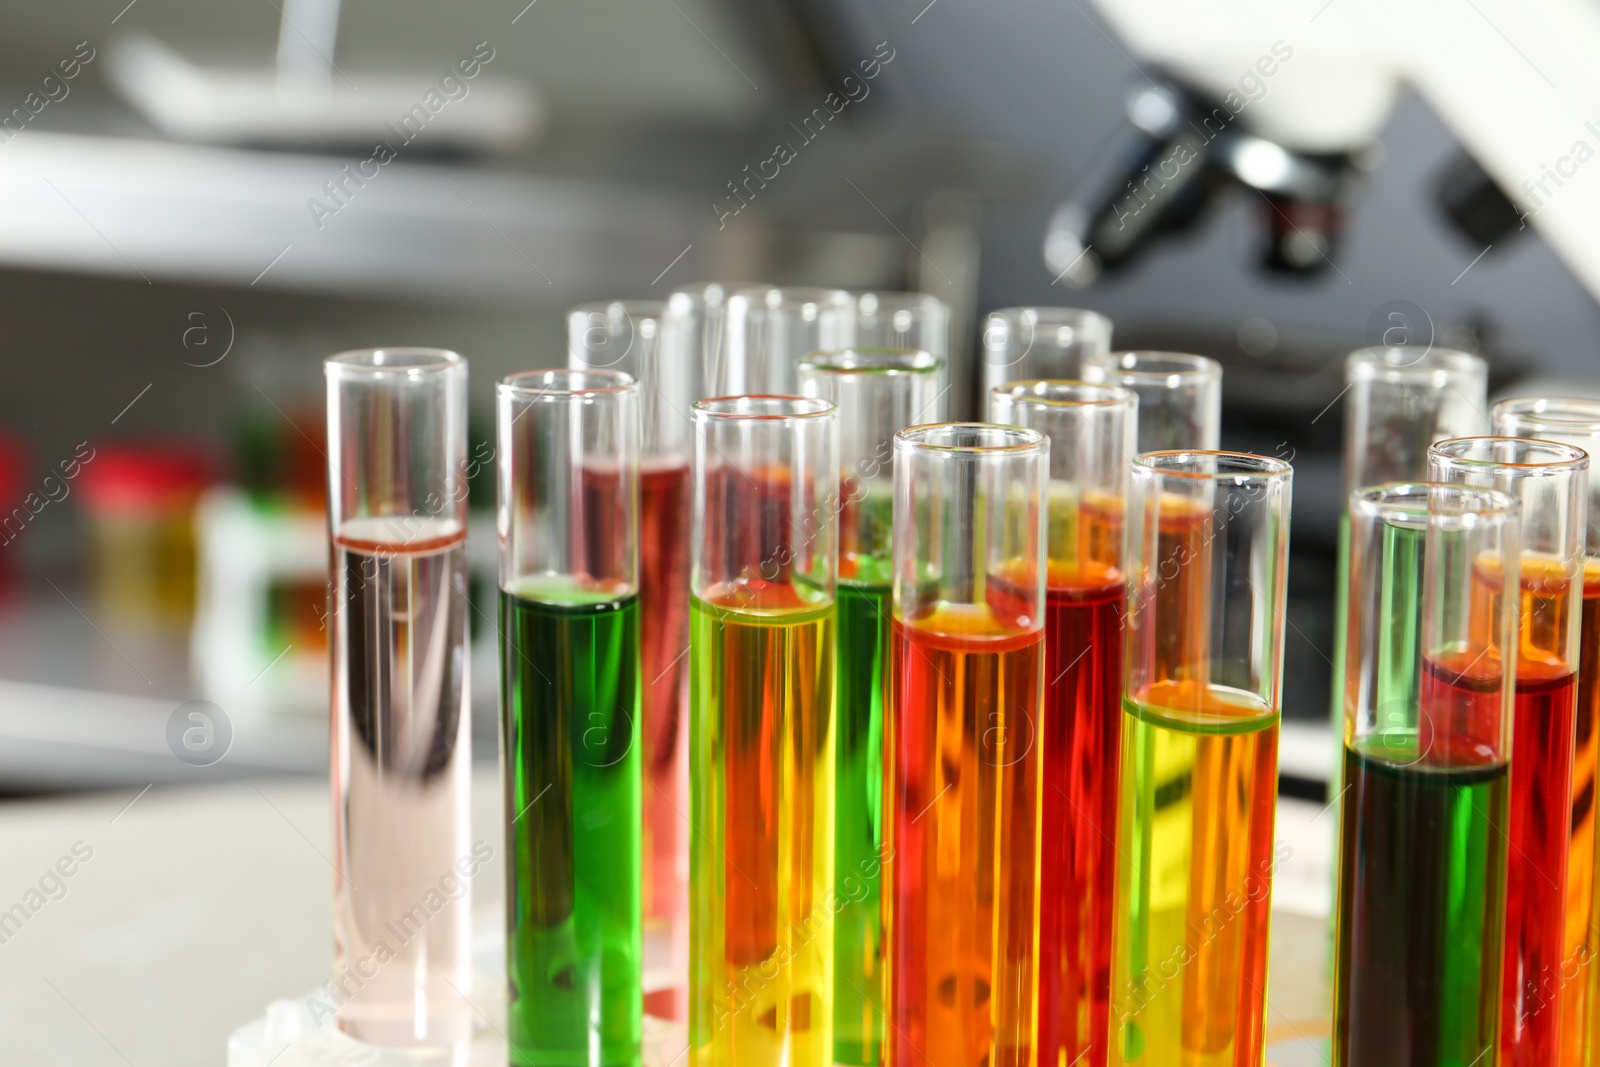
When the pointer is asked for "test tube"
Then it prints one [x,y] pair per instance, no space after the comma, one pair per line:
[877,393]
[1031,343]
[1548,482]
[570,683]
[701,310]
[768,329]
[1576,422]
[646,340]
[1427,732]
[401,744]
[962,782]
[1180,395]
[901,320]
[1091,430]
[1208,545]
[762,734]
[1401,399]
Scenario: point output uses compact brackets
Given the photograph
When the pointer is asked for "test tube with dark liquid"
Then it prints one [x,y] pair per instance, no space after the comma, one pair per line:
[1548,483]
[1091,430]
[570,687]
[1425,769]
[400,759]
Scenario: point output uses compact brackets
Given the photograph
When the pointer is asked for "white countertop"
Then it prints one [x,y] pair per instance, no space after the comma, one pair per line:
[199,905]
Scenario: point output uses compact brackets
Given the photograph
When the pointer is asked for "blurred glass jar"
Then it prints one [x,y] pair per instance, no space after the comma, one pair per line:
[139,506]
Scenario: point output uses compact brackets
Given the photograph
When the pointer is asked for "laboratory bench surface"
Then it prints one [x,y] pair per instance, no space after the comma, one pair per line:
[160,920]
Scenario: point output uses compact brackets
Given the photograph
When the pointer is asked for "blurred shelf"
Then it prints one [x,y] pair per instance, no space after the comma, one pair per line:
[223,216]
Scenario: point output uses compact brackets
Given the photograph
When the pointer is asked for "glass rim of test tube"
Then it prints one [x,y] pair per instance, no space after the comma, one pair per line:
[1170,463]
[1062,392]
[520,385]
[1559,456]
[1534,415]
[868,360]
[1014,439]
[880,301]
[1036,315]
[1431,363]
[780,407]
[791,297]
[1157,365]
[392,361]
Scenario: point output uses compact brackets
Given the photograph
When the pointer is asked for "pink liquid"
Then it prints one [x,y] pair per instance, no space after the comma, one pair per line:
[664,519]
[400,765]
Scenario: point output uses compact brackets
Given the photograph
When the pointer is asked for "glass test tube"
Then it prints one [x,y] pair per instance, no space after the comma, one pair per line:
[1426,745]
[1576,422]
[401,752]
[901,320]
[1548,483]
[1031,343]
[877,392]
[700,313]
[1180,396]
[1091,430]
[649,341]
[761,735]
[1399,401]
[570,704]
[1208,556]
[962,783]
[768,329]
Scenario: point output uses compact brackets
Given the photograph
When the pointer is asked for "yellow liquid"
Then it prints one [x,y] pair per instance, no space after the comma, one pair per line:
[761,750]
[1194,877]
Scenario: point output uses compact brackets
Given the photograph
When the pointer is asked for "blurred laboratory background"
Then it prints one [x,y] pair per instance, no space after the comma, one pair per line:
[205,200]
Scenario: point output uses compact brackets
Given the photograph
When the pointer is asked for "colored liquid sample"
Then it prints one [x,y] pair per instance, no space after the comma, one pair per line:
[664,523]
[1580,1000]
[863,684]
[1084,607]
[1199,778]
[761,745]
[962,781]
[570,696]
[1422,890]
[1540,823]
[401,768]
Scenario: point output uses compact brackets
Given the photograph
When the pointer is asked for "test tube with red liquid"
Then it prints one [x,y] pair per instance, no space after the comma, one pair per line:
[640,338]
[1548,482]
[1091,430]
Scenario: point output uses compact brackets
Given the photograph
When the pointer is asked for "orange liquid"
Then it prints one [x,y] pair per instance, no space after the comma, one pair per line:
[962,796]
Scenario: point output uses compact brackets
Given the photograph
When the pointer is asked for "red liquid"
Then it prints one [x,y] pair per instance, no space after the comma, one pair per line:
[1536,872]
[664,639]
[1081,743]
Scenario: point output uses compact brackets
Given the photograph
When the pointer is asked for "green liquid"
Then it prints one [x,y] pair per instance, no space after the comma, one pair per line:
[1422,869]
[574,941]
[862,685]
